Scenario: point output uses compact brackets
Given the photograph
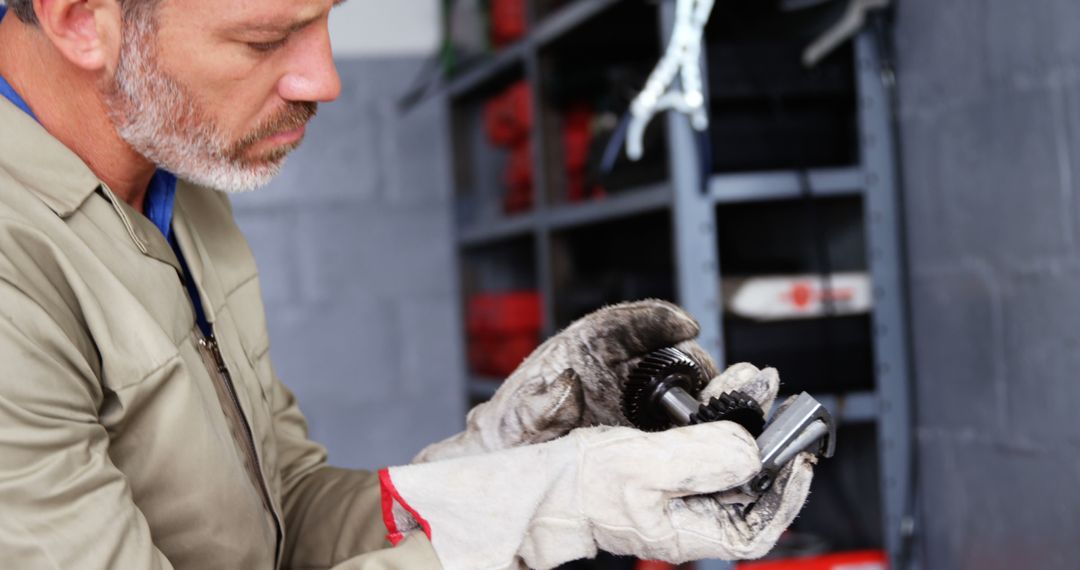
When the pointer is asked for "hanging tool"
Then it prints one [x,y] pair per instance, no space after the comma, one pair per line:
[843,30]
[683,59]
[661,392]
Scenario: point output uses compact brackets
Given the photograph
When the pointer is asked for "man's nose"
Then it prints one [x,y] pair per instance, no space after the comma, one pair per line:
[312,74]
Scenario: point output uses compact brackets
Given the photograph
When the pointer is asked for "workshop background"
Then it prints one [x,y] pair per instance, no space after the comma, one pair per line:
[385,302]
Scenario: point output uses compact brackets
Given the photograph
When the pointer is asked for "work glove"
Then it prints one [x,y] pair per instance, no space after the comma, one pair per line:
[574,379]
[668,496]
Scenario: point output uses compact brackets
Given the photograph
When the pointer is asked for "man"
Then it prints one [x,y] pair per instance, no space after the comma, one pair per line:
[141,423]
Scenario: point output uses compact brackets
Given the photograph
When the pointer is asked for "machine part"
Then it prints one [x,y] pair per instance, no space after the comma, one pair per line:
[735,407]
[682,58]
[661,392]
[804,425]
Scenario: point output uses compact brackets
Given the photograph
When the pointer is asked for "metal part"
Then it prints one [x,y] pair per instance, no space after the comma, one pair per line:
[735,407]
[805,425]
[679,405]
[661,389]
[662,392]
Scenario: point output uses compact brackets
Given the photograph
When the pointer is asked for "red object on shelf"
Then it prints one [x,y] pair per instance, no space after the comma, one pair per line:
[508,123]
[861,560]
[508,116]
[508,21]
[515,311]
[577,140]
[503,329]
[518,180]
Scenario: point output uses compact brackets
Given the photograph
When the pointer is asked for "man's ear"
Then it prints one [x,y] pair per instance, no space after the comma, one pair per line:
[85,32]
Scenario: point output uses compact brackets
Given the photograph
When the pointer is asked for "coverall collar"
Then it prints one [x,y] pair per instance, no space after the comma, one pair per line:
[41,162]
[60,178]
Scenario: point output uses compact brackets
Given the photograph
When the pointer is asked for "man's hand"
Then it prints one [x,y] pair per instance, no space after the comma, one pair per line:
[574,379]
[668,496]
[672,496]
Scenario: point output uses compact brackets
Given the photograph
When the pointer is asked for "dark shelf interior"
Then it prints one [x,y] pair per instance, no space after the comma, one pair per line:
[590,76]
[596,265]
[767,111]
[844,509]
[499,268]
[543,8]
[806,235]
[824,355]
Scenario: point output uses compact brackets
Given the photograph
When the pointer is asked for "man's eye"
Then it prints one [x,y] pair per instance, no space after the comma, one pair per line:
[265,47]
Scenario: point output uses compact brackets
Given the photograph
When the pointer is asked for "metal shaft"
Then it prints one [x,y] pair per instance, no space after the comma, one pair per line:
[679,405]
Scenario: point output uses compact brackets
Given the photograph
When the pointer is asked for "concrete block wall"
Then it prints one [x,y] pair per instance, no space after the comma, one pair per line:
[989,112]
[353,242]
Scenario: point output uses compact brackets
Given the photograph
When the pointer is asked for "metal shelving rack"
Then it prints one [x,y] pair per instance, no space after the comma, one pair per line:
[693,214]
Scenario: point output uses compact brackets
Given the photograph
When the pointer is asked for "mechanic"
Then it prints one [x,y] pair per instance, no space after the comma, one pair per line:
[141,423]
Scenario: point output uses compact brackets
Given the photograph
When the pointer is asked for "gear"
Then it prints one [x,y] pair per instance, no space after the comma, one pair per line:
[735,407]
[655,375]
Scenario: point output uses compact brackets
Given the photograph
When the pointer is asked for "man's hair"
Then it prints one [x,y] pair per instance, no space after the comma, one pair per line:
[24,9]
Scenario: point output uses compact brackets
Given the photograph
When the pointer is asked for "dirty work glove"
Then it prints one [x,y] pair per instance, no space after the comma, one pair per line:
[574,379]
[657,496]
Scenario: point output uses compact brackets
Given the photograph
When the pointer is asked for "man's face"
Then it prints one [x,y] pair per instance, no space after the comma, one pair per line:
[219,91]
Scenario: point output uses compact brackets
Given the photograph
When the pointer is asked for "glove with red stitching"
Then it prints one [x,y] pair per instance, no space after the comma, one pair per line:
[656,496]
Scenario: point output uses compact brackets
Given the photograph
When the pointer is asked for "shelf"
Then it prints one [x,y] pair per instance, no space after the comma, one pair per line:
[471,76]
[624,204]
[567,18]
[785,184]
[487,68]
[482,233]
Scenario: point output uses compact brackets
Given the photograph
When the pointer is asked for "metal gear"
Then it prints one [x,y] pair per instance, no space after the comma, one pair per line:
[657,373]
[649,405]
[735,407]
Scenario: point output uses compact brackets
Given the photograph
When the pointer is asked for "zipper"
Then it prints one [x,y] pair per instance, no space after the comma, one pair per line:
[211,348]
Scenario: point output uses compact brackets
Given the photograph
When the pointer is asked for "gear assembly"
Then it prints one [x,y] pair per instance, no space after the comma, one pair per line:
[662,391]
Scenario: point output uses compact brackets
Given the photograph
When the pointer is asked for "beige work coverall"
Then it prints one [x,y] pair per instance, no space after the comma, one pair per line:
[125,442]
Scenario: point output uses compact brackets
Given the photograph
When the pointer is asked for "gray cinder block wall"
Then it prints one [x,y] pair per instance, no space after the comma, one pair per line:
[989,108]
[353,242]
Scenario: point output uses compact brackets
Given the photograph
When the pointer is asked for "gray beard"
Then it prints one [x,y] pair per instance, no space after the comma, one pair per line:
[160,119]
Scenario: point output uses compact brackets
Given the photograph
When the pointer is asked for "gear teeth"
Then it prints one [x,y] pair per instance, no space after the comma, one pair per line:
[648,376]
[735,407]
